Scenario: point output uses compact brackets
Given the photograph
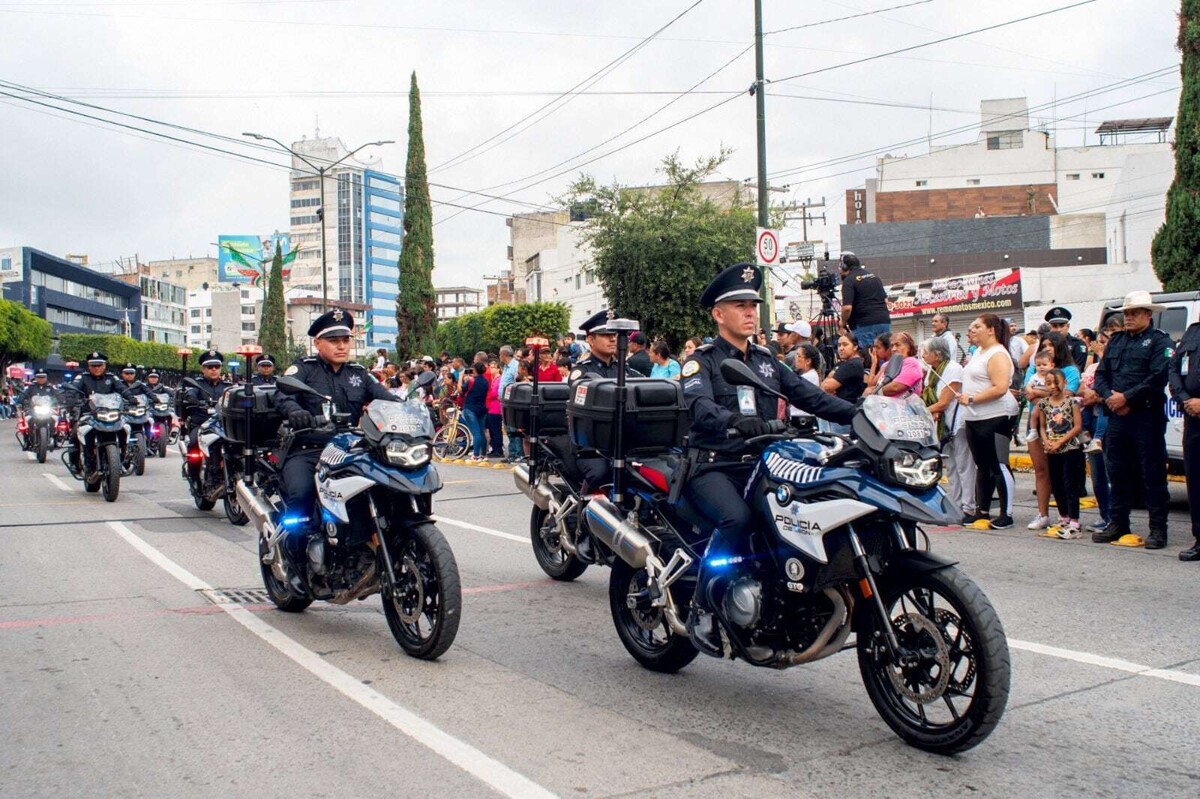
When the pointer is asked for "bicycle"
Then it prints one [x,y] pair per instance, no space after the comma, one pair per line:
[454,439]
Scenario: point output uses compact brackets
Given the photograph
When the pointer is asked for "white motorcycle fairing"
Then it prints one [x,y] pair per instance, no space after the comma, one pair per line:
[335,493]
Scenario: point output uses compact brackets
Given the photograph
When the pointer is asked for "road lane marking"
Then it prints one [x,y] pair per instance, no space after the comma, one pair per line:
[1107,662]
[485,530]
[471,760]
[53,478]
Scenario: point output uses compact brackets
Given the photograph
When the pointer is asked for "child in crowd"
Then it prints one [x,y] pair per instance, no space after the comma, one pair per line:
[1058,422]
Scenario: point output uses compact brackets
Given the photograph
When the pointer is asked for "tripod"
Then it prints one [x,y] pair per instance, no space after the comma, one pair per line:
[827,323]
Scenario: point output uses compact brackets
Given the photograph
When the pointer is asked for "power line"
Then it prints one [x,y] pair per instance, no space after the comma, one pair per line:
[843,19]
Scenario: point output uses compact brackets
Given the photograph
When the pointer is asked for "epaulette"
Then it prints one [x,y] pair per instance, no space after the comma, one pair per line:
[356,365]
[704,347]
[309,359]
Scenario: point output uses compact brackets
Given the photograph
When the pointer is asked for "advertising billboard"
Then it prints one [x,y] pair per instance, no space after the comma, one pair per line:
[247,259]
[998,292]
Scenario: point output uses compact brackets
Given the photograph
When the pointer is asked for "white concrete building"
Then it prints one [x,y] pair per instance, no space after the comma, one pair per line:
[452,301]
[564,273]
[224,316]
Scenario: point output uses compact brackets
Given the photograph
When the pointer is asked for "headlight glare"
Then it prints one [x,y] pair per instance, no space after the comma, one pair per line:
[108,416]
[400,453]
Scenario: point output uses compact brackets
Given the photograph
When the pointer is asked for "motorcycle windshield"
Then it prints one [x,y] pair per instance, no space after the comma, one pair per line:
[42,402]
[410,418]
[106,402]
[899,419]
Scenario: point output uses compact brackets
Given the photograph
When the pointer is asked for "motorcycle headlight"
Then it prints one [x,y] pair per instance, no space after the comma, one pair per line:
[910,469]
[108,416]
[41,411]
[137,413]
[399,453]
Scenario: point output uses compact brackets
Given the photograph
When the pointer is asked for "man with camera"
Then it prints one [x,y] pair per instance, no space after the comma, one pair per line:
[864,302]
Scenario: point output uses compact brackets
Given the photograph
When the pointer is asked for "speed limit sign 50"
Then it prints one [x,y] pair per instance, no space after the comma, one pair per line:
[767,247]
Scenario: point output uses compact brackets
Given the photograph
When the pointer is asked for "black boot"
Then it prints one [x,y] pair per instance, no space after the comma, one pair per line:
[1157,539]
[1192,554]
[1111,533]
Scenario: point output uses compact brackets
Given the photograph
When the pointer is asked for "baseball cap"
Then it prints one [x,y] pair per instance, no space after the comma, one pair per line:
[800,328]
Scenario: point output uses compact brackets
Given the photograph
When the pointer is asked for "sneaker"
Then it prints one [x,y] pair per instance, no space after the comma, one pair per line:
[1002,522]
[970,518]
[1070,531]
[1096,527]
[1097,445]
[1111,532]
[1039,522]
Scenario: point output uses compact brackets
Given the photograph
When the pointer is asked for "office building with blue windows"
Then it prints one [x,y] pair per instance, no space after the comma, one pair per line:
[383,233]
[72,298]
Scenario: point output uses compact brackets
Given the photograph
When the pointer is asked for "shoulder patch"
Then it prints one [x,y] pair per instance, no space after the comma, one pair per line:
[291,370]
[690,368]
[575,374]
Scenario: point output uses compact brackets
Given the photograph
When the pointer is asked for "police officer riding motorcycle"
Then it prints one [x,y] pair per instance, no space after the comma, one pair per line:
[99,435]
[203,465]
[35,428]
[162,416]
[137,416]
[264,371]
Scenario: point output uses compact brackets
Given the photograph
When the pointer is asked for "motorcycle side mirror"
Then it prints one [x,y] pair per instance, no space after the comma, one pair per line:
[892,370]
[187,381]
[737,373]
[290,385]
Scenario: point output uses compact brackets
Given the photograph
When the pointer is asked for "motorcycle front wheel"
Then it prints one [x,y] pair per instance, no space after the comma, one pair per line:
[139,457]
[162,446]
[951,695]
[642,629]
[233,510]
[280,592]
[111,465]
[424,605]
[41,448]
[547,549]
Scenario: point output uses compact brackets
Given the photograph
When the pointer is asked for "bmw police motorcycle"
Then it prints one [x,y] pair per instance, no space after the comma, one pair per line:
[836,553]
[37,428]
[102,439]
[375,487]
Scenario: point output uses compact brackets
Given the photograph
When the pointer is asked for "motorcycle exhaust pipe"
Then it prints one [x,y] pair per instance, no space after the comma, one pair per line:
[257,508]
[606,522]
[540,494]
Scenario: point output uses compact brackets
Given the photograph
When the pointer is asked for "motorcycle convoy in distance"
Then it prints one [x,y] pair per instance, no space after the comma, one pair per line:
[374,532]
[837,548]
[43,428]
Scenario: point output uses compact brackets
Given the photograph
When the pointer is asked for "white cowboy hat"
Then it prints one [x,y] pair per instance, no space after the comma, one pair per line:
[1140,299]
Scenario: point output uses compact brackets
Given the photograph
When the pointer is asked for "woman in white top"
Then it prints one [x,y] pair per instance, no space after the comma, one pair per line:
[988,410]
[942,386]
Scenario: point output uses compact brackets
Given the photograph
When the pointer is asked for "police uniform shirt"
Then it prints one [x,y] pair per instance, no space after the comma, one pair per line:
[350,387]
[867,298]
[715,405]
[34,390]
[1079,351]
[197,399]
[107,383]
[138,388]
[591,366]
[1184,374]
[263,380]
[1136,365]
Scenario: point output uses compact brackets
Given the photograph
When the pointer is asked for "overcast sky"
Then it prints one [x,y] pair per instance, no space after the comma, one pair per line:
[74,185]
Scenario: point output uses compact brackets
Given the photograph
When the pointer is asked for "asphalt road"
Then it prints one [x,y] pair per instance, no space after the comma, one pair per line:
[120,677]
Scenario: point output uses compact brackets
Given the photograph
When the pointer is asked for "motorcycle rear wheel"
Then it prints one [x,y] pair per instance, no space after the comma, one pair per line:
[112,472]
[646,636]
[953,698]
[552,558]
[424,607]
[233,510]
[280,593]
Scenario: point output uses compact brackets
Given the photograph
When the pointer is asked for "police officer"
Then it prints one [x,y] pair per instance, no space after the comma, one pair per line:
[208,390]
[1184,378]
[333,374]
[602,360]
[864,302]
[38,388]
[1059,319]
[136,387]
[265,371]
[723,466]
[96,380]
[1130,379]
[158,392]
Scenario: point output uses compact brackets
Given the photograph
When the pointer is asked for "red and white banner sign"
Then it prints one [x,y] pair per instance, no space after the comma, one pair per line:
[998,291]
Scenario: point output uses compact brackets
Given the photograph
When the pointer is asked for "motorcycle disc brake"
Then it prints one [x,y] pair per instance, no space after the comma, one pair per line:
[650,619]
[410,612]
[958,651]
[912,628]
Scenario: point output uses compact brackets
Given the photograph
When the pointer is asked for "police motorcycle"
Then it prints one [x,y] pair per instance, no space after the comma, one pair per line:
[162,424]
[137,418]
[206,464]
[835,553]
[102,438]
[375,490]
[36,428]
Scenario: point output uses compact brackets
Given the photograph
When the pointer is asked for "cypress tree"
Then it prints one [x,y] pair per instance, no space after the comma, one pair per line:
[415,317]
[272,326]
[1176,249]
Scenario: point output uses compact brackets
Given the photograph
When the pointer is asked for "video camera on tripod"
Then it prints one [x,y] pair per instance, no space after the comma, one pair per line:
[825,283]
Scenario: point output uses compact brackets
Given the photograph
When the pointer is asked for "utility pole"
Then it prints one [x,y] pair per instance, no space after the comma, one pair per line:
[760,104]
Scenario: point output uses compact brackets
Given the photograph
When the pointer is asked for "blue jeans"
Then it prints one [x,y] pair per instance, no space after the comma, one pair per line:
[475,425]
[866,335]
[515,449]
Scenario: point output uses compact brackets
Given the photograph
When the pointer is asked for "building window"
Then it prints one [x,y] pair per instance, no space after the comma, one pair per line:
[972,181]
[247,327]
[1072,176]
[195,330]
[921,183]
[305,220]
[1097,176]
[247,310]
[178,273]
[1009,140]
[6,264]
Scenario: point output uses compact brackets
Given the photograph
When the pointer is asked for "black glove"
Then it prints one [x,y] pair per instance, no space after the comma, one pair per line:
[300,419]
[751,426]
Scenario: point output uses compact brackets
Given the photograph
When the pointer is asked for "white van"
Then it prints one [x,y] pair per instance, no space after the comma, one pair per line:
[1182,308]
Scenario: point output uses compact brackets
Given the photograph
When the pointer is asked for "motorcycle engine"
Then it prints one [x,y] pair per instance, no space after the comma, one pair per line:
[743,602]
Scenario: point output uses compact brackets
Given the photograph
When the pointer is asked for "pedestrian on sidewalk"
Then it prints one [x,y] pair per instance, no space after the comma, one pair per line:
[1059,423]
[989,412]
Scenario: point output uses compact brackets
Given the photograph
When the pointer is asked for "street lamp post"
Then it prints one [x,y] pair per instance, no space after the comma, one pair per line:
[320,171]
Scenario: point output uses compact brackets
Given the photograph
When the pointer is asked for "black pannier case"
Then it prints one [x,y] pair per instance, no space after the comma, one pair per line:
[656,417]
[518,400]
[264,419]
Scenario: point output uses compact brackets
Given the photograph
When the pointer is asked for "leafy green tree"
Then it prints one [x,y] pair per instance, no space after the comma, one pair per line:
[655,251]
[122,349]
[1176,248]
[24,336]
[497,325]
[272,324]
[415,315]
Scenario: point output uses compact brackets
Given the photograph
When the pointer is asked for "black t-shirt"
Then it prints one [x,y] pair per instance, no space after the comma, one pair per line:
[864,292]
[852,376]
